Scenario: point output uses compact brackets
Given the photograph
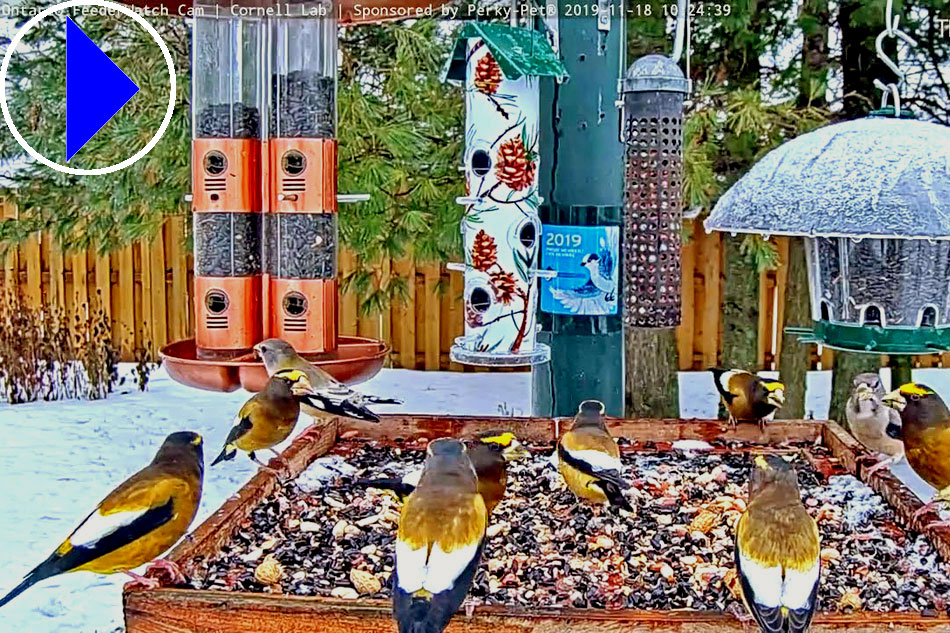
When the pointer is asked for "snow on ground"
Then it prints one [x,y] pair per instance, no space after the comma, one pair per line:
[58,459]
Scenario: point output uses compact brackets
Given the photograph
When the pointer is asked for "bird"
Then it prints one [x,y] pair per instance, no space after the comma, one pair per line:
[268,418]
[925,431]
[489,452]
[439,541]
[589,459]
[777,550]
[599,292]
[137,522]
[330,397]
[870,421]
[748,397]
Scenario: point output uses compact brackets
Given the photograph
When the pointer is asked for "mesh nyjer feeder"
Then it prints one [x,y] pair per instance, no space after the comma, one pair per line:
[226,174]
[502,67]
[301,225]
[653,92]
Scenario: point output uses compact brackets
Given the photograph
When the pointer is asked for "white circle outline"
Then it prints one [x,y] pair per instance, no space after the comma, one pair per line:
[99,171]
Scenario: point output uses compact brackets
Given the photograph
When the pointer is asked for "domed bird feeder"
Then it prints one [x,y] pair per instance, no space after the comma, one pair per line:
[501,66]
[871,197]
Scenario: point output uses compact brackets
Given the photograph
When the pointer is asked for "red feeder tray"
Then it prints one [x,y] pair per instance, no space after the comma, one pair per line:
[355,360]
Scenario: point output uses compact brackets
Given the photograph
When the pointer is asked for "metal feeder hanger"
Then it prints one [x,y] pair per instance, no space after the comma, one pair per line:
[871,198]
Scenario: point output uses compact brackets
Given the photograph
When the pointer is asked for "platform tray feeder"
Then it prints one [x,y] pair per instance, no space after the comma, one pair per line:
[823,449]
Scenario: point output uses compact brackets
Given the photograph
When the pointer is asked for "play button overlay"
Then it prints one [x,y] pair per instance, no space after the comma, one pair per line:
[96,88]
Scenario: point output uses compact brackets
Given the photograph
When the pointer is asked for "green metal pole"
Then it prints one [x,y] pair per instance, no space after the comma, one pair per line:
[581,183]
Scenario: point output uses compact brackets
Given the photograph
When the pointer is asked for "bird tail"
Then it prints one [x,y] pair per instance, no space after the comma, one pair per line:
[399,487]
[378,400]
[345,407]
[615,495]
[227,454]
[49,567]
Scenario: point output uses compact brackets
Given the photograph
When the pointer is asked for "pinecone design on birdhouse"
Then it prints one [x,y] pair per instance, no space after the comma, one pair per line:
[488,75]
[484,251]
[505,286]
[515,165]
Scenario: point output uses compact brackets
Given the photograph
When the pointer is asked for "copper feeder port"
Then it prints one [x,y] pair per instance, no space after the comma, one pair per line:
[304,313]
[226,174]
[227,312]
[303,175]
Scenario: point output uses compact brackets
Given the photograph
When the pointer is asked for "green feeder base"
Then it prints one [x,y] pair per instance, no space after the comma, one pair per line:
[874,339]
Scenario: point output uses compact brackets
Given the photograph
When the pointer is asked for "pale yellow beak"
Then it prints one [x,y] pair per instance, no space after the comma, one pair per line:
[515,451]
[302,387]
[864,392]
[776,397]
[895,400]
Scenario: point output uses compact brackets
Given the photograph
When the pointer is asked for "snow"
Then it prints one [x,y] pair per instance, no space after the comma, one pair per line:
[59,458]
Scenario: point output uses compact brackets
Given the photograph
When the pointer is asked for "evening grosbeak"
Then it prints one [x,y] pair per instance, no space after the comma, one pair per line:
[439,542]
[777,550]
[925,430]
[748,397]
[137,522]
[872,422]
[268,418]
[330,397]
[589,458]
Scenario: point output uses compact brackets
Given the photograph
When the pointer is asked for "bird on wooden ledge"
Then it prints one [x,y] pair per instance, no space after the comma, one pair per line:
[873,423]
[137,522]
[747,396]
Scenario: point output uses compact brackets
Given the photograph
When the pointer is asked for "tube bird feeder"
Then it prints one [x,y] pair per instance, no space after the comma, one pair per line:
[301,225]
[226,175]
[501,67]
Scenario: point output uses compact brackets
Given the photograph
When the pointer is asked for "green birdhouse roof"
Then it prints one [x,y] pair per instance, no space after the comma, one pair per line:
[518,52]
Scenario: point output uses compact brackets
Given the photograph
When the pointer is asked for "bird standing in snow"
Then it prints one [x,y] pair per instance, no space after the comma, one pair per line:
[596,294]
[330,397]
[137,522]
[873,423]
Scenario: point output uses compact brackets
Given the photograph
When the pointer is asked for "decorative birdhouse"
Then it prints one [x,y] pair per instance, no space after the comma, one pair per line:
[501,67]
[653,92]
[872,199]
[226,175]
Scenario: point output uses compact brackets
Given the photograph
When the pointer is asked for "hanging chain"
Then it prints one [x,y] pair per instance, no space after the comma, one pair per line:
[892,89]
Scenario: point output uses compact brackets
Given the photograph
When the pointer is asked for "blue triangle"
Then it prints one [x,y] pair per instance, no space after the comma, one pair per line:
[96,89]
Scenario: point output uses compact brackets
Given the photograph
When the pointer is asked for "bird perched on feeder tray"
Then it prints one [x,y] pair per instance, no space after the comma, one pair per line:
[439,541]
[330,397]
[589,458]
[137,522]
[777,550]
[872,422]
[925,430]
[489,453]
[748,397]
[268,418]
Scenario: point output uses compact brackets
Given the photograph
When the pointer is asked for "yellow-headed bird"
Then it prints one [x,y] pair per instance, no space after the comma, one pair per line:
[748,397]
[490,453]
[589,458]
[330,397]
[925,430]
[268,418]
[778,550]
[439,543]
[137,522]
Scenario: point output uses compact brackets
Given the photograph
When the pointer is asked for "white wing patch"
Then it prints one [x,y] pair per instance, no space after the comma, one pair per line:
[727,376]
[96,526]
[412,477]
[436,572]
[766,582]
[410,566]
[798,586]
[597,460]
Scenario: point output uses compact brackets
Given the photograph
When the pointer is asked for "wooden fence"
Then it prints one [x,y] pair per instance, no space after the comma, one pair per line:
[146,289]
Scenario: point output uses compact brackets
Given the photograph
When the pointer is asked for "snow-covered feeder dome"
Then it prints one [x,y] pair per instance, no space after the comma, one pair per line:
[872,199]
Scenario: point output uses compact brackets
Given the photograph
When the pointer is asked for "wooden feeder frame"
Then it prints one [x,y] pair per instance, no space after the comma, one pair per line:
[201,611]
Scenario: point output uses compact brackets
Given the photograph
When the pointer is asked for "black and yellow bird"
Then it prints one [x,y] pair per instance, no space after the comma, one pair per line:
[137,522]
[439,542]
[589,459]
[268,418]
[925,431]
[330,397]
[777,550]
[490,453]
[748,397]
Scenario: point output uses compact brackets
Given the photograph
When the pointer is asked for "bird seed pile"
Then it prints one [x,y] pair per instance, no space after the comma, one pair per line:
[542,550]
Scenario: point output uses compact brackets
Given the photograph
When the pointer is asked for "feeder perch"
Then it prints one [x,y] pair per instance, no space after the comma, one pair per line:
[871,197]
[226,150]
[652,131]
[501,67]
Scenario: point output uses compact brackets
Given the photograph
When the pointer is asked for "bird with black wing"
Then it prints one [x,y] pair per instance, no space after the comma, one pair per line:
[137,522]
[747,396]
[439,541]
[777,550]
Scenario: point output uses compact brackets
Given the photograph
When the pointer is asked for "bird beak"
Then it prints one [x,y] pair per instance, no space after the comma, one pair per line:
[302,387]
[257,350]
[864,392]
[776,397]
[895,400]
[515,451]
